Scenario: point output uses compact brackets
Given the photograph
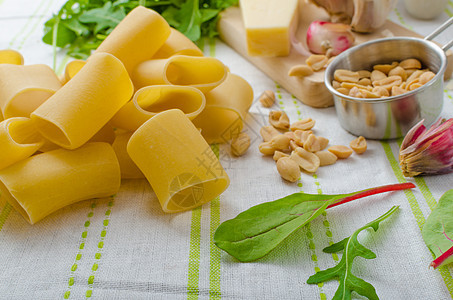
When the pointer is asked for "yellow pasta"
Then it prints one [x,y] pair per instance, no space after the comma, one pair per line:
[9,56]
[19,139]
[24,88]
[137,37]
[86,103]
[44,183]
[151,100]
[176,160]
[226,109]
[177,43]
[72,68]
[128,168]
[204,73]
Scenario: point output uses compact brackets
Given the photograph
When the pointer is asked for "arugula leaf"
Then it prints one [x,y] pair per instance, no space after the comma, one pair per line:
[104,17]
[438,230]
[255,232]
[82,25]
[342,271]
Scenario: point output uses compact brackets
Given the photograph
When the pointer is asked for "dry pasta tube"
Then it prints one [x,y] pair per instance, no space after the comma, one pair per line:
[151,100]
[128,168]
[177,43]
[86,103]
[226,109]
[9,56]
[204,73]
[177,162]
[137,37]
[44,183]
[19,139]
[72,68]
[24,88]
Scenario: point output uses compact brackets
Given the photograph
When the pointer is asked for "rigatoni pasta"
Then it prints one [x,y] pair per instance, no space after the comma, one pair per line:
[86,103]
[128,168]
[151,100]
[204,73]
[19,139]
[137,37]
[178,163]
[226,108]
[24,88]
[46,182]
[177,43]
[9,56]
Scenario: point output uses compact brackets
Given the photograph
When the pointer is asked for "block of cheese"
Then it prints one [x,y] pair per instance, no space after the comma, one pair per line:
[268,26]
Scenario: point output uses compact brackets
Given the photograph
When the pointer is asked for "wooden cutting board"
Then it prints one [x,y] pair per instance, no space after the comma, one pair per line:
[311,89]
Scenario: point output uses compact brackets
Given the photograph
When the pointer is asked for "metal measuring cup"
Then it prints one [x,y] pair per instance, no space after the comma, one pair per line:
[391,117]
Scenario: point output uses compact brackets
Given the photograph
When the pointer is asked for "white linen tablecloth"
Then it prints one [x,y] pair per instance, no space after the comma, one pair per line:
[125,247]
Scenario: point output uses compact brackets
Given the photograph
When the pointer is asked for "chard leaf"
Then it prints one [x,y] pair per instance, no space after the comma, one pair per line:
[258,230]
[438,229]
[342,271]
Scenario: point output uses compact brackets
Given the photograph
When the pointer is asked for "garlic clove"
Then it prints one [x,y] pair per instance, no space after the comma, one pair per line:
[428,152]
[326,37]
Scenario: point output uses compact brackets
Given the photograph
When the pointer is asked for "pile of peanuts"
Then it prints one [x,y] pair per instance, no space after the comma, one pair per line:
[294,147]
[384,80]
[314,63]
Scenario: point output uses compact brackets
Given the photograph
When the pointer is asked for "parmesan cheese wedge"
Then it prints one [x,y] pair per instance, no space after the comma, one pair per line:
[268,26]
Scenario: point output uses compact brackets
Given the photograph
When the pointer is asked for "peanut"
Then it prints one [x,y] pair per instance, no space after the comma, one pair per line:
[240,144]
[267,98]
[377,75]
[290,134]
[409,72]
[364,74]
[300,70]
[266,148]
[396,91]
[306,160]
[350,85]
[368,94]
[279,119]
[359,145]
[316,61]
[315,143]
[355,92]
[398,71]
[342,75]
[288,169]
[280,142]
[411,63]
[388,82]
[343,91]
[326,158]
[293,145]
[340,151]
[365,81]
[268,132]
[278,155]
[414,76]
[426,76]
[335,84]
[305,124]
[385,68]
[301,136]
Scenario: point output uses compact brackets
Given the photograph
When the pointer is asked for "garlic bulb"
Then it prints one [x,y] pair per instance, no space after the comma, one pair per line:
[329,38]
[362,15]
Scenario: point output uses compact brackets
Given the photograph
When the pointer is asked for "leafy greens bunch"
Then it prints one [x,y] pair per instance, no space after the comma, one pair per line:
[81,25]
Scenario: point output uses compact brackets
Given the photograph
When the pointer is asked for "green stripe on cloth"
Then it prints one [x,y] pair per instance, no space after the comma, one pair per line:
[100,249]
[4,214]
[80,249]
[416,211]
[194,254]
[401,20]
[448,12]
[214,251]
[449,96]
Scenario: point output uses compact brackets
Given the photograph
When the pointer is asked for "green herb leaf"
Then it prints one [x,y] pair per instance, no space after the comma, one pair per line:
[104,17]
[438,229]
[342,271]
[255,232]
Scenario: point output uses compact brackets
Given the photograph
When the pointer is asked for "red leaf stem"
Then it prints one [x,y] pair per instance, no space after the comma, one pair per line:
[374,191]
[438,261]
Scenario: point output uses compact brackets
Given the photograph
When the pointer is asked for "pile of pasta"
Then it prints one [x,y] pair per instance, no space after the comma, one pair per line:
[145,104]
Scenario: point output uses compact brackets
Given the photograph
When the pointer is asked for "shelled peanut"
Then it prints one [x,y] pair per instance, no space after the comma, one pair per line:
[296,144]
[313,63]
[384,80]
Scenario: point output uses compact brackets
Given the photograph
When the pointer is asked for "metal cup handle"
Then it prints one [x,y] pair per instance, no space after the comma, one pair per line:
[440,30]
